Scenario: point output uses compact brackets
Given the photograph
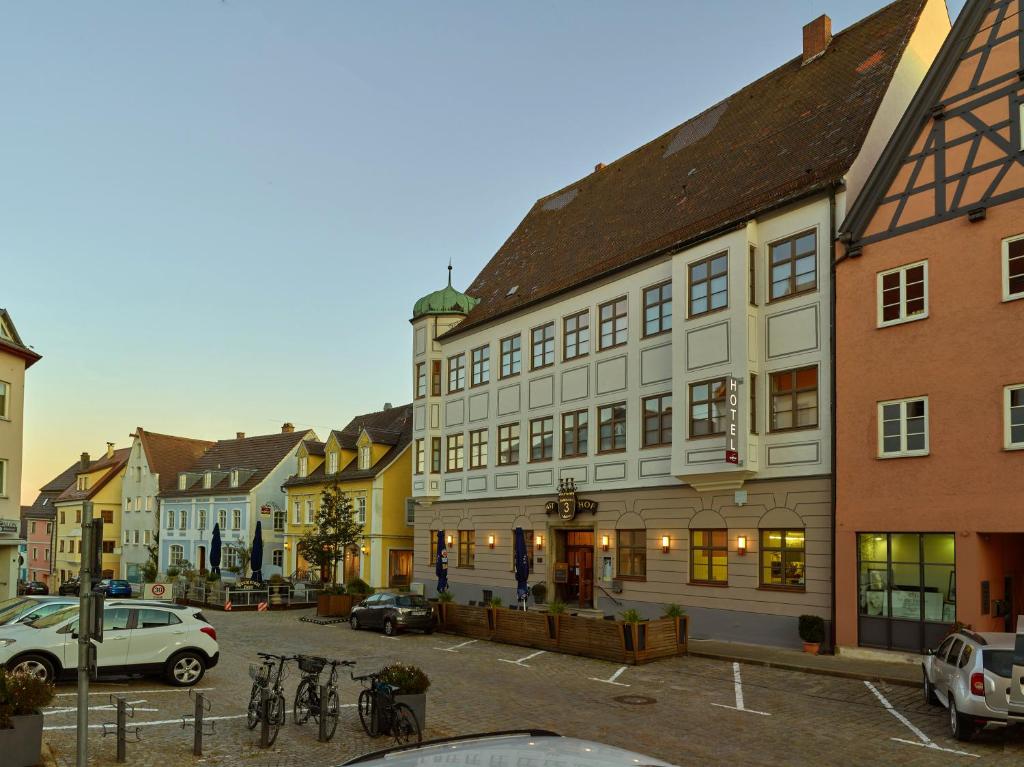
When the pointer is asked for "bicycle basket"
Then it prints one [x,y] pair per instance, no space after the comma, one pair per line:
[260,672]
[311,665]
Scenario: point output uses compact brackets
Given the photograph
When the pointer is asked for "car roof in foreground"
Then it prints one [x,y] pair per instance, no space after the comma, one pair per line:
[998,640]
[522,747]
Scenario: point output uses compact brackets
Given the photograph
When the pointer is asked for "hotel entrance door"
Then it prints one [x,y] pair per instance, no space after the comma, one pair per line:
[578,546]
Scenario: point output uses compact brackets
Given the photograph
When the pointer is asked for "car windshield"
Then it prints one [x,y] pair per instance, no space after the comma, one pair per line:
[119,583]
[411,600]
[9,608]
[999,662]
[55,619]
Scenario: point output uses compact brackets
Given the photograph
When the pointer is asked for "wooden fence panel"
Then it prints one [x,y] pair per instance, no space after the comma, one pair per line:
[593,638]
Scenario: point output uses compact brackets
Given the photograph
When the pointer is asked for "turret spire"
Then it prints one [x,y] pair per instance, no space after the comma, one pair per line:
[449,272]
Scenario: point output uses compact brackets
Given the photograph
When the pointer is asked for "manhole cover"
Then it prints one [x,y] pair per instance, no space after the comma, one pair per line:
[634,700]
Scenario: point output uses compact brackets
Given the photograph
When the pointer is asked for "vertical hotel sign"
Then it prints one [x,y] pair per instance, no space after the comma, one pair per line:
[732,421]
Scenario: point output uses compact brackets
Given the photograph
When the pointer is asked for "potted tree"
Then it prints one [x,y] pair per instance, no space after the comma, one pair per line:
[444,598]
[812,632]
[336,528]
[412,684]
[677,614]
[633,631]
[22,696]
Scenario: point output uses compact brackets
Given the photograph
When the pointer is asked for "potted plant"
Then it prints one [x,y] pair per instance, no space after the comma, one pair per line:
[333,602]
[677,614]
[633,632]
[812,632]
[412,684]
[444,598]
[555,611]
[492,608]
[22,696]
[540,592]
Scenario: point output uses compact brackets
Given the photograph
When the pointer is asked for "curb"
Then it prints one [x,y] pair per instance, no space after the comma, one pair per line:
[872,677]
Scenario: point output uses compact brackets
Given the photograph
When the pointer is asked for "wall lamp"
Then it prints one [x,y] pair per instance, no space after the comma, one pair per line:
[604,543]
[538,542]
[664,544]
[449,540]
[287,545]
[364,549]
[490,541]
[741,544]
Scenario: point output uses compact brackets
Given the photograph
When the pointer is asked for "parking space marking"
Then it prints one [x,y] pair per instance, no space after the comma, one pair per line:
[455,648]
[104,707]
[520,661]
[177,721]
[127,689]
[922,739]
[738,687]
[612,678]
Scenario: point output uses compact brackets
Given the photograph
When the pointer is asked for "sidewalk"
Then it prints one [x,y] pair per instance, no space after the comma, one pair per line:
[896,672]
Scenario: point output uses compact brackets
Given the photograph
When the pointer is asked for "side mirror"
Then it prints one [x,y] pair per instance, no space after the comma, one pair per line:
[74,635]
[929,651]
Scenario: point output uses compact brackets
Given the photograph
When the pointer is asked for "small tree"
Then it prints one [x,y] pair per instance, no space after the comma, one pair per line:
[243,555]
[151,567]
[336,529]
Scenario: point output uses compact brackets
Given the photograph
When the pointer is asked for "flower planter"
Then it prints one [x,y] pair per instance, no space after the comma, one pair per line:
[334,605]
[812,647]
[22,746]
[418,704]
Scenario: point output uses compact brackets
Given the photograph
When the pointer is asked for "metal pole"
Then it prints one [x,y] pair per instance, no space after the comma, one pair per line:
[264,718]
[121,757]
[197,742]
[84,626]
[322,735]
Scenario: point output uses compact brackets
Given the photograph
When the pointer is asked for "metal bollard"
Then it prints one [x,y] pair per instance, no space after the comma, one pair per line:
[322,735]
[264,718]
[197,742]
[121,725]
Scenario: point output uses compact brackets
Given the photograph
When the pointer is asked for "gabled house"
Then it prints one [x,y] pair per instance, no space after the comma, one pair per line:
[44,507]
[370,460]
[234,483]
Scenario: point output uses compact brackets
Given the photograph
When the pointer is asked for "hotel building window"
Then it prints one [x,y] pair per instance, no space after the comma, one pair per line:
[478,449]
[614,323]
[457,373]
[576,335]
[421,459]
[435,455]
[467,548]
[709,556]
[1013,398]
[542,436]
[455,448]
[574,434]
[903,428]
[782,558]
[435,378]
[657,421]
[795,399]
[794,265]
[1013,264]
[480,364]
[542,347]
[707,408]
[511,356]
[631,547]
[903,294]
[658,309]
[709,285]
[421,380]
[508,444]
[611,421]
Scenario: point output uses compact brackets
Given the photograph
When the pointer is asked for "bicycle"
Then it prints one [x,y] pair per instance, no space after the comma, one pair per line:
[307,696]
[264,678]
[380,714]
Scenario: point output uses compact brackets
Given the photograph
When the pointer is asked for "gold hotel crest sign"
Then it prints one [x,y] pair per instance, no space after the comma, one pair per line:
[568,504]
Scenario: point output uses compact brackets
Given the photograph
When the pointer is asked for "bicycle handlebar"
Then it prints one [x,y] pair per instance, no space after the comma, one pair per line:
[364,677]
[276,657]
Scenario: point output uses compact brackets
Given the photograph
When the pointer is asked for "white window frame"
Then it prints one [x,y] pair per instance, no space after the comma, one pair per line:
[136,537]
[5,398]
[149,503]
[364,457]
[127,537]
[3,477]
[904,452]
[410,512]
[277,558]
[175,555]
[128,503]
[182,482]
[138,503]
[202,520]
[280,520]
[360,508]
[148,537]
[303,465]
[170,519]
[332,462]
[309,511]
[236,519]
[297,512]
[1007,443]
[222,519]
[1007,295]
[903,318]
[234,478]
[208,480]
[182,519]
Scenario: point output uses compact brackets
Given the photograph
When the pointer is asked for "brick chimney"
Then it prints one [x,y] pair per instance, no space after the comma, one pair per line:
[387,405]
[85,461]
[287,428]
[817,36]
[239,435]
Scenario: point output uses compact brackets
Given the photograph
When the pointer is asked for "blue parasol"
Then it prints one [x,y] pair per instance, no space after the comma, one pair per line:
[256,559]
[215,550]
[522,565]
[441,565]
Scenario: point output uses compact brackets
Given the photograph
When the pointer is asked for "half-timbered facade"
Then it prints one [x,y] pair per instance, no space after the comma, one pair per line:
[930,360]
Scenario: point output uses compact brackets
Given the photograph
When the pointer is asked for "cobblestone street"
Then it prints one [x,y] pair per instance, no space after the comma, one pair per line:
[685,710]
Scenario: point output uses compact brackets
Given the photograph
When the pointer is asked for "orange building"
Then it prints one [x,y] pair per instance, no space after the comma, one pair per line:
[930,356]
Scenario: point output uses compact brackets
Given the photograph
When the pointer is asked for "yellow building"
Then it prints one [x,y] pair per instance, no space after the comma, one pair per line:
[97,481]
[370,459]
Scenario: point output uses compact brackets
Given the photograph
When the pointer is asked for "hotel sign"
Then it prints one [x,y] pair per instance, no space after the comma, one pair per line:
[568,504]
[8,526]
[732,421]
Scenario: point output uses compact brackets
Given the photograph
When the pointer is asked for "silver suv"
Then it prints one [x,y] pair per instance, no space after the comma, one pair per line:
[970,674]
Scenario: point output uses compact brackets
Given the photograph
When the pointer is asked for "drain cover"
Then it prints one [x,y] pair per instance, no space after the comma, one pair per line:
[634,700]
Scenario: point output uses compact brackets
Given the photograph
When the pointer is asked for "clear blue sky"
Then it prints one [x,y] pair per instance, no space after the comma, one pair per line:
[216,216]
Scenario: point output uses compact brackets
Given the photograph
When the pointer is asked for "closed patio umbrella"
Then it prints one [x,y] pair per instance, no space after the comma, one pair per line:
[441,565]
[215,550]
[522,566]
[256,559]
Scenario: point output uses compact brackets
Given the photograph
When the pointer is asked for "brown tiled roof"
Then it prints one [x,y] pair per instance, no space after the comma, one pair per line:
[261,455]
[790,133]
[113,464]
[167,455]
[50,492]
[313,447]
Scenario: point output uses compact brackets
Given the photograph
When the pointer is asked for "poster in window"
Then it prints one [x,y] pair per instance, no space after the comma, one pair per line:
[877,580]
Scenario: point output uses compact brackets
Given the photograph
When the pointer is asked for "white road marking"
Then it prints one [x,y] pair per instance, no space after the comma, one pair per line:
[612,678]
[738,686]
[925,741]
[105,707]
[520,661]
[454,648]
[133,692]
[173,721]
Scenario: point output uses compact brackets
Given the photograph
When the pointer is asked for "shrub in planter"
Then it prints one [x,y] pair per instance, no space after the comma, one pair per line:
[359,587]
[21,721]
[674,611]
[812,632]
[412,684]
[556,607]
[540,593]
[495,602]
[677,614]
[445,596]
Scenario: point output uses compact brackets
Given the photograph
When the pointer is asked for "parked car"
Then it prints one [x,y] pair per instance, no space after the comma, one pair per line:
[113,588]
[69,586]
[393,613]
[33,587]
[970,673]
[173,641]
[29,608]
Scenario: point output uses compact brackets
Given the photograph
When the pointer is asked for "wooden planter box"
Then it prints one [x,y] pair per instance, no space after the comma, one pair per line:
[334,605]
[527,629]
[23,744]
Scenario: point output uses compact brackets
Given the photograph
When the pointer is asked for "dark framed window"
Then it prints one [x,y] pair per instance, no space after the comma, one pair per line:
[709,284]
[794,265]
[575,428]
[657,420]
[508,444]
[631,547]
[435,455]
[783,558]
[611,424]
[707,408]
[467,548]
[480,366]
[421,380]
[108,516]
[542,346]
[614,324]
[457,373]
[753,403]
[478,449]
[435,378]
[542,438]
[709,556]
[795,399]
[455,452]
[421,458]
[576,335]
[658,309]
[752,276]
[511,356]
[108,547]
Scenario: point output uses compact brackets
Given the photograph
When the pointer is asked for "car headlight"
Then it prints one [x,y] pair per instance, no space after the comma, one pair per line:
[6,642]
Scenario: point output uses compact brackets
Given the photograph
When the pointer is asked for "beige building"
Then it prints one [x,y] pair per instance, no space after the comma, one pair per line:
[654,339]
[15,359]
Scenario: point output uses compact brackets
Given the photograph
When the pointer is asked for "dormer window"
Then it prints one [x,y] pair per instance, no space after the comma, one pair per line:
[303,465]
[182,482]
[83,483]
[208,480]
[332,462]
[364,457]
[234,478]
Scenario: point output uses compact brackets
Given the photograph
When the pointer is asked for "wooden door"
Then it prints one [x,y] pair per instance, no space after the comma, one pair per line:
[581,575]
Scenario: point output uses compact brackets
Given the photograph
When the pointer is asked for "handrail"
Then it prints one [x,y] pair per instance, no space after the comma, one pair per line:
[616,601]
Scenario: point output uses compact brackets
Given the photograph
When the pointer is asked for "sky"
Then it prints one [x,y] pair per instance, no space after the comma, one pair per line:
[216,216]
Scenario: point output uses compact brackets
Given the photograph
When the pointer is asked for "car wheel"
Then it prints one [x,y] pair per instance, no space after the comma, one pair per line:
[389,628]
[929,691]
[185,669]
[37,665]
[960,727]
[353,623]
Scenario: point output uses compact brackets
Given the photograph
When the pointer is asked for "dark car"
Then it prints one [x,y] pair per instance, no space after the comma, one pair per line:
[393,613]
[33,587]
[69,586]
[113,587]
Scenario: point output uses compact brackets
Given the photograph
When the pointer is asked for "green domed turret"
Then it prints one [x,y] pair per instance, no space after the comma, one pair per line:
[447,300]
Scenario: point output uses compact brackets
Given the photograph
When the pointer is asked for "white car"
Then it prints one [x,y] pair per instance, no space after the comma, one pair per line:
[138,638]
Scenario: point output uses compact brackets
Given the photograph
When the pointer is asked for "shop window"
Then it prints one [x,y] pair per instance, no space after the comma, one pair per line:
[632,553]
[467,548]
[782,558]
[709,556]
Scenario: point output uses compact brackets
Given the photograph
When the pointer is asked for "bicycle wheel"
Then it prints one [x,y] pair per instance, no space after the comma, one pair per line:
[275,717]
[330,710]
[303,702]
[404,725]
[252,713]
[366,713]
